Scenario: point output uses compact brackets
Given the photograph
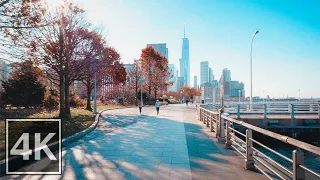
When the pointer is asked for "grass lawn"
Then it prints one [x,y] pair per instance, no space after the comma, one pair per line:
[80,120]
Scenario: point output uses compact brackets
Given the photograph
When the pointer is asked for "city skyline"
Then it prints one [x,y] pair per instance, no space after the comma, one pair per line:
[285,52]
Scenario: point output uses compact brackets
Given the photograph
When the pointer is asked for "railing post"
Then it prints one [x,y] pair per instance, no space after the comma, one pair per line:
[265,111]
[228,135]
[249,163]
[298,159]
[217,125]
[208,119]
[292,111]
[211,122]
[221,137]
[238,111]
[205,118]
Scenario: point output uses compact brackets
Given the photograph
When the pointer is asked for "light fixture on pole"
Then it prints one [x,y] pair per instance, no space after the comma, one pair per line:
[299,94]
[251,68]
[239,95]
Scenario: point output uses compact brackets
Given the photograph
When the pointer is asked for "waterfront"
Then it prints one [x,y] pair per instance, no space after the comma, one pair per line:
[311,160]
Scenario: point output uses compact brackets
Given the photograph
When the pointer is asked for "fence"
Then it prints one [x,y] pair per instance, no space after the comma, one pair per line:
[223,127]
[271,109]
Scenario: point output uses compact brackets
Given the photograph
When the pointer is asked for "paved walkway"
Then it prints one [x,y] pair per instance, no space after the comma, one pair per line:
[172,145]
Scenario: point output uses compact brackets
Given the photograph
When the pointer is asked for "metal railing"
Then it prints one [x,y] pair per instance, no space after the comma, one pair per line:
[223,127]
[266,109]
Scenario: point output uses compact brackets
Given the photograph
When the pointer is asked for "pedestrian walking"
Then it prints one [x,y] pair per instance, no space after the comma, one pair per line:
[140,106]
[187,101]
[157,106]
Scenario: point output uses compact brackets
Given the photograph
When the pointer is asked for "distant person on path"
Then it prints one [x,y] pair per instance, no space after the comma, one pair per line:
[187,101]
[157,106]
[140,106]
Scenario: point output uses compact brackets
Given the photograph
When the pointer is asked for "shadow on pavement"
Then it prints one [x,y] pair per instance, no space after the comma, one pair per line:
[139,147]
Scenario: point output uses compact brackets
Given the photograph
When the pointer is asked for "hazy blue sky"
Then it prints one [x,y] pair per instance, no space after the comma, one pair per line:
[286,52]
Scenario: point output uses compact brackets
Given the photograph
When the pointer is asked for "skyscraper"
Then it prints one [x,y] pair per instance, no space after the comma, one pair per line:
[172,78]
[180,83]
[211,78]
[226,81]
[204,72]
[226,74]
[160,48]
[195,81]
[185,61]
[177,76]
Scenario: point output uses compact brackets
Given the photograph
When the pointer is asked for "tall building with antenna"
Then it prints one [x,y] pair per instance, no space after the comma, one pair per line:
[185,60]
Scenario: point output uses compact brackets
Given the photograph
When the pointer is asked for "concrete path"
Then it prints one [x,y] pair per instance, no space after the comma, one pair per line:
[172,145]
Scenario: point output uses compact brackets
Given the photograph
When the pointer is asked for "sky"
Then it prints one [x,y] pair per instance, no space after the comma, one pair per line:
[286,52]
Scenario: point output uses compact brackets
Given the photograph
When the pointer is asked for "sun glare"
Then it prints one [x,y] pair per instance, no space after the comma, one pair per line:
[53,3]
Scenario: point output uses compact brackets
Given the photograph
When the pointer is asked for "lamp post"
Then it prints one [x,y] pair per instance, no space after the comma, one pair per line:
[141,99]
[239,95]
[251,67]
[299,94]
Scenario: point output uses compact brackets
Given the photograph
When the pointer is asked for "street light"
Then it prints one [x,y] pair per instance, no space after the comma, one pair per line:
[251,67]
[239,95]
[299,94]
[141,89]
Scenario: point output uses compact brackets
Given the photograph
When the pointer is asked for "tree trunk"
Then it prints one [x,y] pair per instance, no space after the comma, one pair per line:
[62,91]
[155,93]
[88,96]
[89,100]
[67,101]
[149,94]
[62,80]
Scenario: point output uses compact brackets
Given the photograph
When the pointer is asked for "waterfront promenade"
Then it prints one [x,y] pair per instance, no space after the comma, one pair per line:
[126,145]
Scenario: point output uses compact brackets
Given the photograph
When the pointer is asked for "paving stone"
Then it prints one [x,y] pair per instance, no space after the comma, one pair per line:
[180,160]
[171,145]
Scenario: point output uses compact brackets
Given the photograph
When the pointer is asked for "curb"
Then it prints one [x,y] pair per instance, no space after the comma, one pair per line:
[77,136]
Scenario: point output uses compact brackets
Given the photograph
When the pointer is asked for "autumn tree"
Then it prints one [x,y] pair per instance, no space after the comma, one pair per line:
[155,70]
[135,75]
[162,74]
[23,87]
[17,18]
[173,94]
[92,48]
[189,92]
[118,74]
[101,60]
[58,47]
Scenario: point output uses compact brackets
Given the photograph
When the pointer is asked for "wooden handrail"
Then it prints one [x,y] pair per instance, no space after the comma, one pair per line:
[285,139]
